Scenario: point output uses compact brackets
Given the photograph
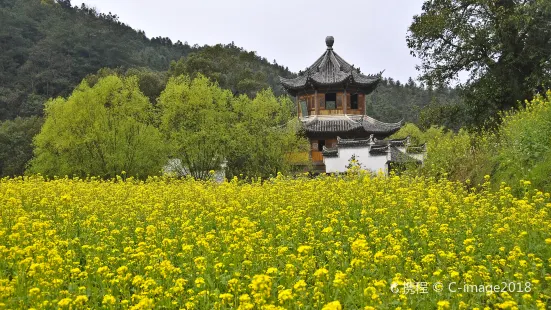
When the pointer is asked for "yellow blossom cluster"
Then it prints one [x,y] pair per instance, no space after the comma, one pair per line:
[332,242]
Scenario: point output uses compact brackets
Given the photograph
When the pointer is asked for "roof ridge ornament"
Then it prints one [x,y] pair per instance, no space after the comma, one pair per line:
[330,71]
[329,40]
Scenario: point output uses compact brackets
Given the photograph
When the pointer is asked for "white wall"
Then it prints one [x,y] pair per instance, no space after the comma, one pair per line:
[419,156]
[366,161]
[376,163]
[332,164]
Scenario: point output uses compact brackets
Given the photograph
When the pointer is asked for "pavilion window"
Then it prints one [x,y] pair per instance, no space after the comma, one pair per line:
[321,144]
[354,101]
[330,101]
[303,108]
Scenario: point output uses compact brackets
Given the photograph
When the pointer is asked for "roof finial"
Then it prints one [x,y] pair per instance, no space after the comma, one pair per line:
[329,41]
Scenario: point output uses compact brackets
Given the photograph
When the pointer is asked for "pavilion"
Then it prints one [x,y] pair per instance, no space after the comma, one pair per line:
[330,98]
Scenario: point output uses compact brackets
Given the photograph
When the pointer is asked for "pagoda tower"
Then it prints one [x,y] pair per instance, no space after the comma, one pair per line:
[330,99]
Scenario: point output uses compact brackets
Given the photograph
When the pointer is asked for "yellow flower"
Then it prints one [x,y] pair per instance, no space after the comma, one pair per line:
[226,297]
[122,270]
[300,286]
[268,244]
[334,305]
[34,291]
[81,299]
[65,302]
[108,300]
[321,272]
[304,249]
[199,282]
[285,295]
[443,304]
[245,302]
[340,279]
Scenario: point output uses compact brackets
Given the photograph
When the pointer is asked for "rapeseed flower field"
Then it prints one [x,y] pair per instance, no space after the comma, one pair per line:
[349,242]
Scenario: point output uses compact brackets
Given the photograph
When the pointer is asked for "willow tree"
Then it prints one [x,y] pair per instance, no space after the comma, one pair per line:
[101,131]
[195,121]
[266,137]
[205,126]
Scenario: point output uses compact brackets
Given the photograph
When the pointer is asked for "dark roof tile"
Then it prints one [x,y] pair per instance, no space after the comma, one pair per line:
[397,156]
[417,149]
[379,150]
[346,124]
[330,152]
[328,70]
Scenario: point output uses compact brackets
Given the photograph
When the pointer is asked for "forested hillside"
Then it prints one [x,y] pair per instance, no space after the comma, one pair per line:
[233,68]
[394,101]
[47,48]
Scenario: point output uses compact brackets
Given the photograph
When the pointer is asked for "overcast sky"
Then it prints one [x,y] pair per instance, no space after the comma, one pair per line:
[371,34]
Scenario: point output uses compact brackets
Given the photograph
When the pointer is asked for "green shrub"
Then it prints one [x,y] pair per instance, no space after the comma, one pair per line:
[520,149]
[411,130]
[457,156]
[524,151]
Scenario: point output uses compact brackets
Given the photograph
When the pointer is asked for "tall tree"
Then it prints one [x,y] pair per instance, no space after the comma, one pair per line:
[205,126]
[264,136]
[195,121]
[505,46]
[101,131]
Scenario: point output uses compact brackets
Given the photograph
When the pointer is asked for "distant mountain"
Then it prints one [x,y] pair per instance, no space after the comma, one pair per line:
[394,101]
[233,68]
[47,47]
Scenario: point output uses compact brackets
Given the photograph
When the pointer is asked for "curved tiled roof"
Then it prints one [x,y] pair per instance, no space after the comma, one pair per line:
[397,156]
[417,149]
[353,142]
[330,152]
[400,142]
[348,124]
[379,150]
[328,70]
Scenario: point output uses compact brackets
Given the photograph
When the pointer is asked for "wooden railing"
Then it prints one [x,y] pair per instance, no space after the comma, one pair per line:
[317,156]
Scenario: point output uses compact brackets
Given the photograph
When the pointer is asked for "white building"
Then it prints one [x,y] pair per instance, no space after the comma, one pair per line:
[372,154]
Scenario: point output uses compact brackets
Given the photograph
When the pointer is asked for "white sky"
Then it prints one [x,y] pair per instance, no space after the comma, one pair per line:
[371,34]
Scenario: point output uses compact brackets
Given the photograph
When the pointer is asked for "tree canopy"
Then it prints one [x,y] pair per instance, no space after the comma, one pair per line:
[195,120]
[504,46]
[205,126]
[100,131]
[393,101]
[110,127]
